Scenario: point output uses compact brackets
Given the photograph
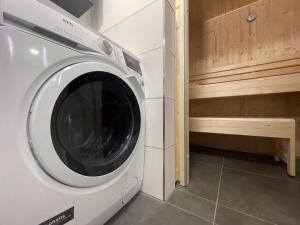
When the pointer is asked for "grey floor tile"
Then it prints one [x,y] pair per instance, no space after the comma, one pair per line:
[204,180]
[260,166]
[169,215]
[143,210]
[227,216]
[194,204]
[274,200]
[139,210]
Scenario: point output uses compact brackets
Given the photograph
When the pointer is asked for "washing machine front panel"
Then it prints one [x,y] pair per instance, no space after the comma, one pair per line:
[85,123]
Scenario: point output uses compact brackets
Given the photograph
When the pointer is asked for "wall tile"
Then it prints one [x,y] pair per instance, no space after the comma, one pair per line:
[112,34]
[170,178]
[86,17]
[170,75]
[173,5]
[169,123]
[143,31]
[153,63]
[154,123]
[118,10]
[170,28]
[153,172]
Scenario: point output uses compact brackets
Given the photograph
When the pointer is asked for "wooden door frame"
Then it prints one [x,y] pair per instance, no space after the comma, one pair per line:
[182,93]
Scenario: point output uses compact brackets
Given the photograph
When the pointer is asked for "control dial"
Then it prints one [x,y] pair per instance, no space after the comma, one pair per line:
[106,47]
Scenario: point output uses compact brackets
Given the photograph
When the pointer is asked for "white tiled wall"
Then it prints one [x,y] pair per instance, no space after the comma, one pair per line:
[141,32]
[170,75]
[172,3]
[169,123]
[155,83]
[169,171]
[170,96]
[119,10]
[153,176]
[147,29]
[155,123]
[170,28]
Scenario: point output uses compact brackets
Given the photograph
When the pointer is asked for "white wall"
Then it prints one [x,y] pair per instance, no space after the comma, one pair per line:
[147,29]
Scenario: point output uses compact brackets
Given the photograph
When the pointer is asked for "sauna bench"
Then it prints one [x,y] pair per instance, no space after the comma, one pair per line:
[258,86]
[259,127]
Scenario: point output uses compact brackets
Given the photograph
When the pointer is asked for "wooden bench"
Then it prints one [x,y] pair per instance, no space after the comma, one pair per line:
[260,127]
[259,86]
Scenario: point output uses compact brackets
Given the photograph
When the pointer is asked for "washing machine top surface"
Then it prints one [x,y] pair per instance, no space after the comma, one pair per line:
[52,22]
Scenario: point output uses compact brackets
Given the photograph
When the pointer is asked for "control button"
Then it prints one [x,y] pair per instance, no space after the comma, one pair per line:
[142,83]
[107,48]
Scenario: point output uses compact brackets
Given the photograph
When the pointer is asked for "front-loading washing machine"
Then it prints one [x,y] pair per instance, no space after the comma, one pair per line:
[71,119]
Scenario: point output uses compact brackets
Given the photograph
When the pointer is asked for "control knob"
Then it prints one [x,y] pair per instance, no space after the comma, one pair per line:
[106,47]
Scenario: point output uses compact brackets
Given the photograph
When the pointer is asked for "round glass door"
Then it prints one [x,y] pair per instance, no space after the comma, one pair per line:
[95,124]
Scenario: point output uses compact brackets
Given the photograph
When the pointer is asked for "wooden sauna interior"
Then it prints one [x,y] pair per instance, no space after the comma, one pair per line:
[244,68]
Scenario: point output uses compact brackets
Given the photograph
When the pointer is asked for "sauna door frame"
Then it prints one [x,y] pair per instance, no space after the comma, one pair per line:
[182,99]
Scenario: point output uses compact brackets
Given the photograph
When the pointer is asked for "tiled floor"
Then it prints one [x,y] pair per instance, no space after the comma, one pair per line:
[226,188]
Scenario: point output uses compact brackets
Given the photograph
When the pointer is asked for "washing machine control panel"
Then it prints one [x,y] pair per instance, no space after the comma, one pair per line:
[130,63]
[59,25]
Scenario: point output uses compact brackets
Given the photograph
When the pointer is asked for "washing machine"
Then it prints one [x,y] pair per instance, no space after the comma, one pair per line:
[71,119]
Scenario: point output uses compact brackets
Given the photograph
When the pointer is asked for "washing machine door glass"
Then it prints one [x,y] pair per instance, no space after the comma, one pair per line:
[95,124]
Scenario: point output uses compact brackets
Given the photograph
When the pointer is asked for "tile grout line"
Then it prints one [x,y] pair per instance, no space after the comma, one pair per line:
[246,214]
[152,197]
[187,212]
[150,51]
[261,175]
[219,187]
[154,147]
[196,196]
[132,14]
[175,206]
[224,206]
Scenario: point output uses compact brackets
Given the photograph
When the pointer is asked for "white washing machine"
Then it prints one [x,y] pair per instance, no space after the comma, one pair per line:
[71,120]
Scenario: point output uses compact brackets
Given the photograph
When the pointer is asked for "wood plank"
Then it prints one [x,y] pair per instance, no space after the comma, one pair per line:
[227,40]
[255,67]
[269,85]
[250,75]
[280,128]
[211,9]
[181,97]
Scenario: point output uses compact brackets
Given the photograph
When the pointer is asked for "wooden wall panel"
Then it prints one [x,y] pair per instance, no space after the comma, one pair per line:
[201,10]
[225,48]
[223,37]
[273,106]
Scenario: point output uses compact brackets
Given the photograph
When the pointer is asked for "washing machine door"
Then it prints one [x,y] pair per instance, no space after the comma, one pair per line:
[84,124]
